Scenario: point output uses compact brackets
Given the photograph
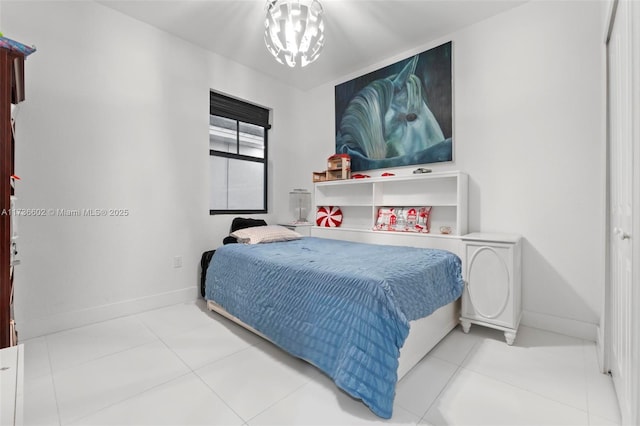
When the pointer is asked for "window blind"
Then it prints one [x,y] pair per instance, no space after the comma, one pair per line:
[235,109]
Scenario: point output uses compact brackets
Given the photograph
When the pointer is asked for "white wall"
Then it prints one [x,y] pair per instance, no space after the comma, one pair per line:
[529,131]
[116,116]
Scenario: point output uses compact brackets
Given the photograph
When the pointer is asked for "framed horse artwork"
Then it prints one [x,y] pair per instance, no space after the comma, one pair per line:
[399,115]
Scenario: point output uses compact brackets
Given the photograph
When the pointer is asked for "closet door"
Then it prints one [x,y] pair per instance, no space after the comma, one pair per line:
[623,295]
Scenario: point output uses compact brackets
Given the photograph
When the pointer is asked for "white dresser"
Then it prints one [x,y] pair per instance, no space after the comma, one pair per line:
[493,284]
[11,385]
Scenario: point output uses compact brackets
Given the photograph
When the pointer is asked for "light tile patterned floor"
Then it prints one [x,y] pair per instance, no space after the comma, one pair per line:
[183,365]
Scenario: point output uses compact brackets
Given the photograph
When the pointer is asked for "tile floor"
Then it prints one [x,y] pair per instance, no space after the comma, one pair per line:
[183,365]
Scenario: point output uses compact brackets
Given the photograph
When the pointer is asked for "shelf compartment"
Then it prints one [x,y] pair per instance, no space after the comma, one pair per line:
[343,195]
[423,192]
[444,216]
[439,216]
[358,217]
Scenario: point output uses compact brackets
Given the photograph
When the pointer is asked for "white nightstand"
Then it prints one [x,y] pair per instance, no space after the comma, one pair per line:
[493,284]
[303,229]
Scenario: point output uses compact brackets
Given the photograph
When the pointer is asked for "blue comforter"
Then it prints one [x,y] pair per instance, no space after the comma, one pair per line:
[345,307]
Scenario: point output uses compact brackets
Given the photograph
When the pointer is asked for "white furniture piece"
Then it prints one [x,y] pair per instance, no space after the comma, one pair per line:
[303,229]
[493,285]
[360,199]
[11,385]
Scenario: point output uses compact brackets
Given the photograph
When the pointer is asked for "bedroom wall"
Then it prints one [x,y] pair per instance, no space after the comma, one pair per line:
[529,111]
[116,118]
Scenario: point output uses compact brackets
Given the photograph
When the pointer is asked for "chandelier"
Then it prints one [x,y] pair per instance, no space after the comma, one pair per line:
[294,31]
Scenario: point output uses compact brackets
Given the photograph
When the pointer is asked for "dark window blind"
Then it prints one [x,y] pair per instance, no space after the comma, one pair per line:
[238,110]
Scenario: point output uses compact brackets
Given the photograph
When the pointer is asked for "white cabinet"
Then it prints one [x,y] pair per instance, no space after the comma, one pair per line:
[493,290]
[360,199]
[11,385]
[303,229]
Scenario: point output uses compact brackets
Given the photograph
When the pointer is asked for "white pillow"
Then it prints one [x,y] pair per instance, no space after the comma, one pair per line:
[265,234]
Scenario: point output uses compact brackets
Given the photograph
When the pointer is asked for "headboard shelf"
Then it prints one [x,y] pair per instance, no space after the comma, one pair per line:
[360,200]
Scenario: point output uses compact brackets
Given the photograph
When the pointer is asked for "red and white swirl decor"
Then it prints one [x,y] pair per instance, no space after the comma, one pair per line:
[329,216]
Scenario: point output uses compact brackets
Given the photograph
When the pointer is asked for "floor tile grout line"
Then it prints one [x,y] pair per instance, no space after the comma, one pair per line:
[180,376]
[93,324]
[163,337]
[441,390]
[524,389]
[194,369]
[471,350]
[587,380]
[146,325]
[53,381]
[458,367]
[194,372]
[544,330]
[176,354]
[444,388]
[119,401]
[48,360]
[244,421]
[282,399]
[136,346]
[209,363]
[462,365]
[133,314]
[309,380]
[548,398]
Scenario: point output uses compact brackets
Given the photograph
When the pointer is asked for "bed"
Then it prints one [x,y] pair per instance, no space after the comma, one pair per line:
[345,307]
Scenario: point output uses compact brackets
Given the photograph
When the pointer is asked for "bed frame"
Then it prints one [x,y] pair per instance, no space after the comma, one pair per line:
[424,333]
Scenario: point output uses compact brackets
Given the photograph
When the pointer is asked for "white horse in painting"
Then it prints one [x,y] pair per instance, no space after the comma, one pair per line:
[388,123]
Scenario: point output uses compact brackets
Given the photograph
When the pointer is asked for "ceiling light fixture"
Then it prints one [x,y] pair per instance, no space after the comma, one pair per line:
[294,31]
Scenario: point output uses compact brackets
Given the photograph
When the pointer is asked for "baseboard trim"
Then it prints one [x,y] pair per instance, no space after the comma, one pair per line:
[35,327]
[566,326]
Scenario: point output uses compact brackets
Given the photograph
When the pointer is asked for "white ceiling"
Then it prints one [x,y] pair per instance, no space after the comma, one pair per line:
[359,33]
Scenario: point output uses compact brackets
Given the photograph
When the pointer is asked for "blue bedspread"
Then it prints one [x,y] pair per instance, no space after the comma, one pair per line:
[345,307]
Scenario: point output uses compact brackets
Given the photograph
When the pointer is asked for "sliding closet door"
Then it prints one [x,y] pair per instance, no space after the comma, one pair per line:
[623,198]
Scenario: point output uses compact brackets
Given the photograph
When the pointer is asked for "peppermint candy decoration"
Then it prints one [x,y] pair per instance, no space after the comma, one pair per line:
[329,217]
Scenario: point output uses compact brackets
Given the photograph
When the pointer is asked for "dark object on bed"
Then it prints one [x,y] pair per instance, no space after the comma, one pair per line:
[242,223]
[238,223]
[204,264]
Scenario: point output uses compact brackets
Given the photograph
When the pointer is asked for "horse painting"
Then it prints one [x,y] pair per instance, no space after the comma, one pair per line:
[388,123]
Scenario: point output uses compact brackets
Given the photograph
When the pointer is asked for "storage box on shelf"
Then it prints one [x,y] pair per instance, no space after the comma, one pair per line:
[360,199]
[338,167]
[319,176]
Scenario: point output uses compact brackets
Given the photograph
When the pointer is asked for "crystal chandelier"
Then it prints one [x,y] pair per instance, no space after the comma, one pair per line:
[294,31]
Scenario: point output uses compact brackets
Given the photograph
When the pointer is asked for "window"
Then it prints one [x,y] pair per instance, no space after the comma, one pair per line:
[237,156]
